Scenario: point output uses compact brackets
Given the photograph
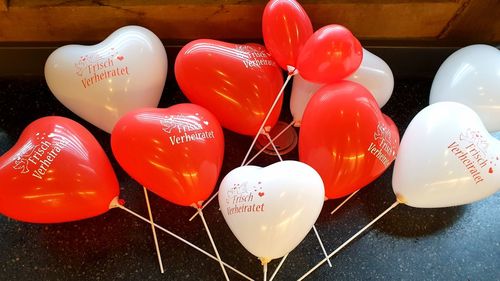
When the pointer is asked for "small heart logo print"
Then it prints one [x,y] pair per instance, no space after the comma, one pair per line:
[120,58]
[261,194]
[490,170]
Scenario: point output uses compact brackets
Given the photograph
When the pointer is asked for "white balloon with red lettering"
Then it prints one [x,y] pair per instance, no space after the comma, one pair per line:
[446,158]
[102,82]
[270,210]
[373,73]
[471,76]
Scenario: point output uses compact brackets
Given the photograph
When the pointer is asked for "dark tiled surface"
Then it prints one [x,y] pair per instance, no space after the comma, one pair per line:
[460,243]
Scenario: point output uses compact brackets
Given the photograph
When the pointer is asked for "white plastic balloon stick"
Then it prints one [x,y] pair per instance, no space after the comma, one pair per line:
[274,146]
[247,163]
[343,202]
[264,267]
[153,229]
[268,144]
[290,75]
[278,267]
[350,240]
[200,212]
[321,245]
[117,205]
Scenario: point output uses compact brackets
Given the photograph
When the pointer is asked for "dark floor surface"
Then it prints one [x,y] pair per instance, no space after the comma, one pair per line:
[459,243]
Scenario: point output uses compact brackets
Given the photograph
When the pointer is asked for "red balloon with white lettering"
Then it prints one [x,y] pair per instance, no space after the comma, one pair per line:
[237,83]
[56,172]
[345,137]
[175,152]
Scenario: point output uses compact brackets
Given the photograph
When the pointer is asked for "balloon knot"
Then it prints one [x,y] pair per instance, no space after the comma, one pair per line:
[292,70]
[121,202]
[264,261]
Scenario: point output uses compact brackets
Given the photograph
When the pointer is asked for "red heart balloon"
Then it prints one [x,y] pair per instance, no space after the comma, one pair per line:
[175,152]
[285,30]
[346,138]
[330,54]
[237,83]
[56,172]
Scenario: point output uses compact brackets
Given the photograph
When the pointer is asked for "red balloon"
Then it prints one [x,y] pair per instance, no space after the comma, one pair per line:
[346,138]
[175,152]
[285,28]
[332,53]
[237,83]
[56,172]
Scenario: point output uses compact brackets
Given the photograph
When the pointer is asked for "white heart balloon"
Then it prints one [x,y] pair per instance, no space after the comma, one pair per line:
[373,73]
[270,210]
[100,83]
[471,76]
[446,158]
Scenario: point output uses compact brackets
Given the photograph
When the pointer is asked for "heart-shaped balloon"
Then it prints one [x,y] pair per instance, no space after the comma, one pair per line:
[346,138]
[330,54]
[56,172]
[237,83]
[270,210]
[101,83]
[175,152]
[285,30]
[446,158]
[373,73]
[471,76]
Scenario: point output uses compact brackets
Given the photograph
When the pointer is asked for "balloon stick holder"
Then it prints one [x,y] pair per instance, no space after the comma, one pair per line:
[351,239]
[118,203]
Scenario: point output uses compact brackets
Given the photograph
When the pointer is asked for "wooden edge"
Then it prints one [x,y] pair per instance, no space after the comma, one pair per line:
[3,5]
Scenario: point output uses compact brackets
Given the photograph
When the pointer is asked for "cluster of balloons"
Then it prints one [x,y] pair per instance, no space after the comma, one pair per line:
[58,172]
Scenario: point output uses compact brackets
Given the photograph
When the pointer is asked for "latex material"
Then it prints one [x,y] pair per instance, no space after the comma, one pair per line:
[237,83]
[101,83]
[56,172]
[346,138]
[175,152]
[330,54]
[270,210]
[373,73]
[285,29]
[446,158]
[471,76]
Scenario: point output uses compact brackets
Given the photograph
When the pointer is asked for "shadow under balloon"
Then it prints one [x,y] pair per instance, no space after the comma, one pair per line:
[405,221]
[402,221]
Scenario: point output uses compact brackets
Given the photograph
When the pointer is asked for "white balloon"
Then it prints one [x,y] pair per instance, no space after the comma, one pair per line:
[270,210]
[446,158]
[373,73]
[471,76]
[100,83]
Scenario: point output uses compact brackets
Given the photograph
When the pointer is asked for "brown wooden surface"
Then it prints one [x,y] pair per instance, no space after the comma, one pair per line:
[51,20]
[3,5]
[476,19]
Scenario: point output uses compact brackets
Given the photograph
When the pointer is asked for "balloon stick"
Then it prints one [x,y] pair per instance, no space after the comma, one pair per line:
[278,268]
[117,205]
[321,245]
[213,243]
[349,240]
[249,161]
[267,116]
[268,144]
[264,267]
[153,229]
[274,146]
[343,202]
